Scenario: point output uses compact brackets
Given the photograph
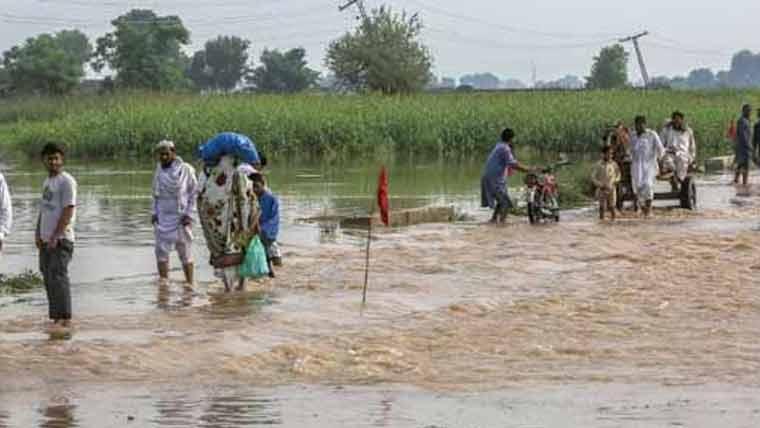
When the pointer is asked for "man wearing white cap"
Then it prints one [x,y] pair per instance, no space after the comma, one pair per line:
[175,188]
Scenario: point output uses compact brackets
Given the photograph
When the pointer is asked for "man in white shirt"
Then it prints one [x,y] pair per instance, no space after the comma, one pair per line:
[680,147]
[6,211]
[55,234]
[646,151]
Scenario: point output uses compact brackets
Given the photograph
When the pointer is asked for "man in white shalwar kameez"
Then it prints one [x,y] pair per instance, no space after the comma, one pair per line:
[646,152]
[6,211]
[175,188]
[680,147]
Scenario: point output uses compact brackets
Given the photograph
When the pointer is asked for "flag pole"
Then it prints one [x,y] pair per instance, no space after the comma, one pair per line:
[366,264]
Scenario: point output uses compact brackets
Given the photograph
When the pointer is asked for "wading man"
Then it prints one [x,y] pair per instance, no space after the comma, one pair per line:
[493,183]
[174,196]
[646,152]
[6,211]
[269,221]
[743,149]
[55,233]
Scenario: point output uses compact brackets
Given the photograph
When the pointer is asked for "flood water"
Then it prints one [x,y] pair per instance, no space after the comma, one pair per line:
[641,323]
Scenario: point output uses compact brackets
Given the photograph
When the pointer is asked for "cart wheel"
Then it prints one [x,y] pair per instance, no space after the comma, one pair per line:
[688,194]
[532,214]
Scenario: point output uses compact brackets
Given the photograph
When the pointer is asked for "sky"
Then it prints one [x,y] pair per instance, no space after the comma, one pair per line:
[511,39]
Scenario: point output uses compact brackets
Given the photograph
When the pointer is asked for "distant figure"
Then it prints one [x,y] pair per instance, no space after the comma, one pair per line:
[493,183]
[6,211]
[756,141]
[646,151]
[743,149]
[269,222]
[606,176]
[175,188]
[54,234]
[680,147]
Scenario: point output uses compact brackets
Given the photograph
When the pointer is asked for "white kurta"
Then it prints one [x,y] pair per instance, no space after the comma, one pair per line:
[174,196]
[646,151]
[6,209]
[682,149]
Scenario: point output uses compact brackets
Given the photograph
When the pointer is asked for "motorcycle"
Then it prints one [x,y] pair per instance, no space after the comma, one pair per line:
[542,194]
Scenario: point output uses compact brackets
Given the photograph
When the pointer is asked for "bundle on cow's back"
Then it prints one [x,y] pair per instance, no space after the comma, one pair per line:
[230,144]
[227,207]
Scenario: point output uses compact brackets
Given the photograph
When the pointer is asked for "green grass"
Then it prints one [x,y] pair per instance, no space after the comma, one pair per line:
[21,283]
[328,126]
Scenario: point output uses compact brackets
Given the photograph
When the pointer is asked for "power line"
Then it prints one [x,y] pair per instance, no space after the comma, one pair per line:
[456,37]
[507,28]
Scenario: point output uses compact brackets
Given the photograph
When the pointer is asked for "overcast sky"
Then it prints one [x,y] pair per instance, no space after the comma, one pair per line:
[504,37]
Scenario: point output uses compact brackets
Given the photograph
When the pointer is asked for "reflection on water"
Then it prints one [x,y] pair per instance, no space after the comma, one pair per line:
[640,405]
[232,411]
[58,416]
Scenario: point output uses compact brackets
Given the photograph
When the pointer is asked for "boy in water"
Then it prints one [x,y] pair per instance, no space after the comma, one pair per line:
[54,235]
[606,176]
[269,221]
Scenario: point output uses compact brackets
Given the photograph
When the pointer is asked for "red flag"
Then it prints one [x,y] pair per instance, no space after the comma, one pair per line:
[382,196]
[731,132]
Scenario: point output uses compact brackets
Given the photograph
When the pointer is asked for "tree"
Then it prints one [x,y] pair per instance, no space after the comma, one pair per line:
[5,82]
[145,50]
[221,64]
[744,72]
[75,44]
[448,83]
[51,64]
[610,69]
[382,54]
[481,81]
[566,83]
[283,72]
[513,84]
[701,78]
[660,82]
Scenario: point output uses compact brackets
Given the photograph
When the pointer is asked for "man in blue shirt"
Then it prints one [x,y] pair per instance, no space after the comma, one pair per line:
[269,221]
[493,183]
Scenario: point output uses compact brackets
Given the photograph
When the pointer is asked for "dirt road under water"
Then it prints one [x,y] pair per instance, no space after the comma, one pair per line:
[667,308]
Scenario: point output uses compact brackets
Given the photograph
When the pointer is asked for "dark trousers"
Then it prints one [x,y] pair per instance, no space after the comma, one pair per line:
[54,265]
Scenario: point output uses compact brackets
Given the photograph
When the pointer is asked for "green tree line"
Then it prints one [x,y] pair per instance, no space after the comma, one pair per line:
[147,51]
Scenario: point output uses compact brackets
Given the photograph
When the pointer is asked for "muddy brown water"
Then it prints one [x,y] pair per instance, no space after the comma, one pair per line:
[641,323]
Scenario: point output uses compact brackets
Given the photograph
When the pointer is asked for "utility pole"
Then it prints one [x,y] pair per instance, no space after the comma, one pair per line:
[642,66]
[359,4]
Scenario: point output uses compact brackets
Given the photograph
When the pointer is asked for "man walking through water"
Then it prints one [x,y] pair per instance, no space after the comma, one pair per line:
[174,191]
[54,234]
[646,151]
[6,211]
[743,149]
[493,183]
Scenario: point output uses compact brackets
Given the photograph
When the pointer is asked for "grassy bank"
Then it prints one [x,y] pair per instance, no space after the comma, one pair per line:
[128,125]
[22,283]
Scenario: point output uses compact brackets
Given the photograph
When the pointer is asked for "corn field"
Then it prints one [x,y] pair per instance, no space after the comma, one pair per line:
[323,126]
